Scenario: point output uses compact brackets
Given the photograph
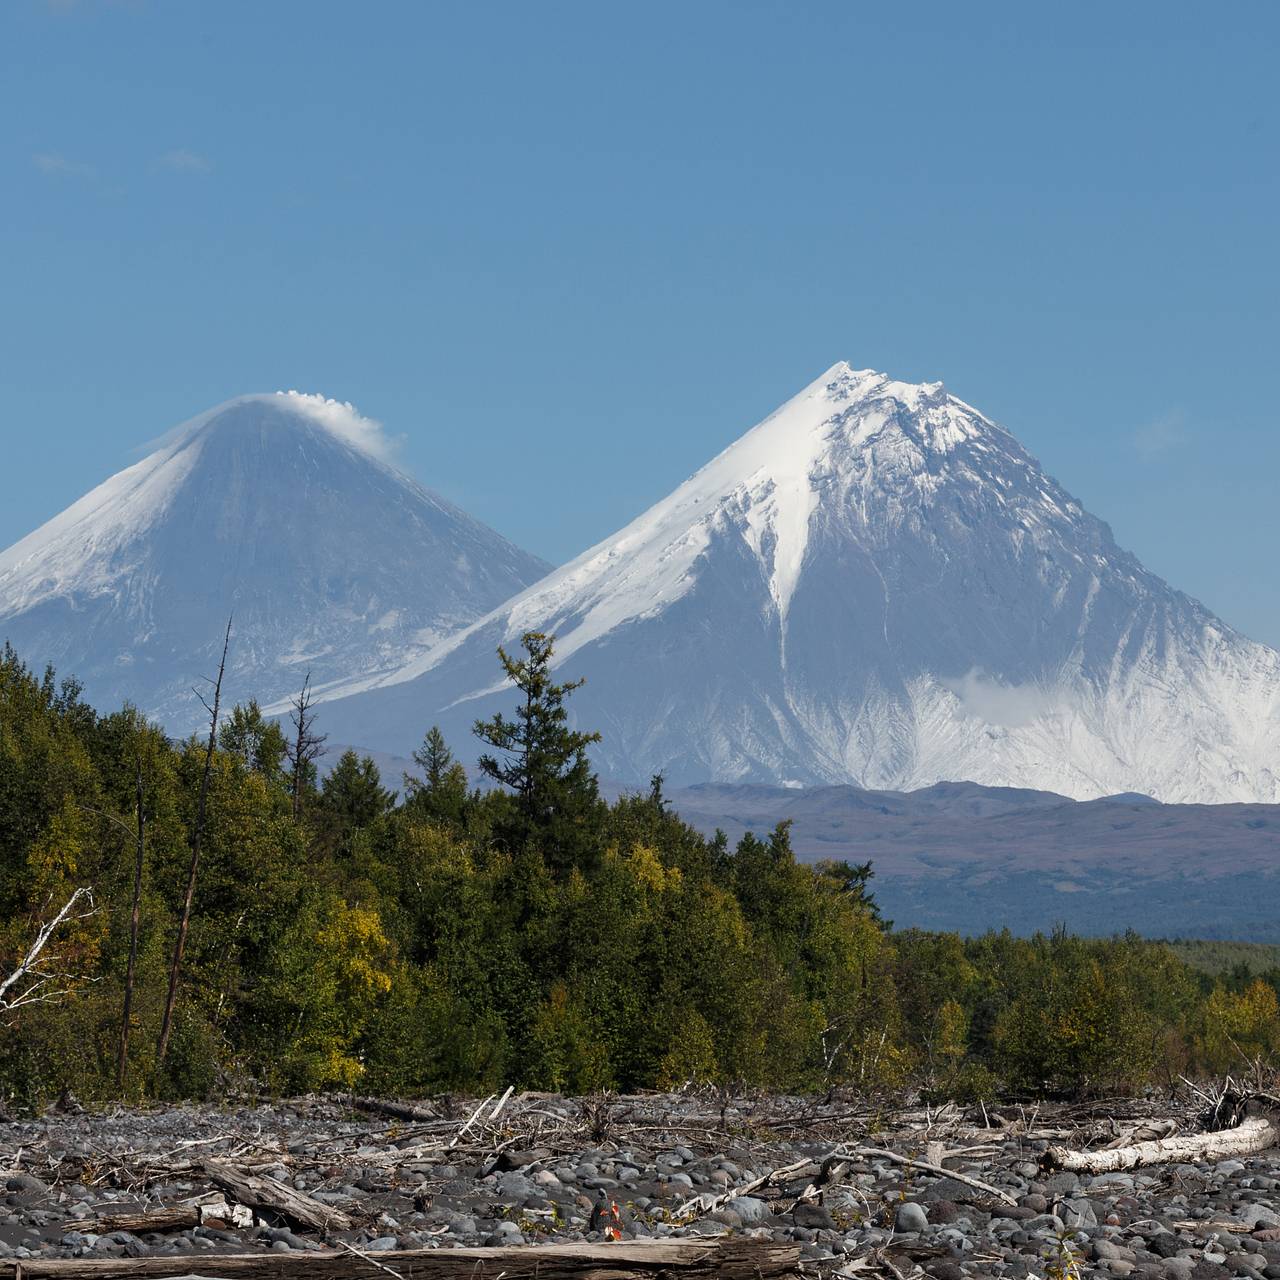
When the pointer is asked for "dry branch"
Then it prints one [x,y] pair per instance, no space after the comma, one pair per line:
[474,1116]
[830,1175]
[876,1153]
[29,982]
[706,1204]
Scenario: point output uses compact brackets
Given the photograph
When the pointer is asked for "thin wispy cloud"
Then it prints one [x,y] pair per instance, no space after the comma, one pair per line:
[55,165]
[182,160]
[1162,436]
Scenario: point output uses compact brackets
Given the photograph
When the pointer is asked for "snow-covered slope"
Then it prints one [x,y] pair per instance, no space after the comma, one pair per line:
[280,507]
[875,585]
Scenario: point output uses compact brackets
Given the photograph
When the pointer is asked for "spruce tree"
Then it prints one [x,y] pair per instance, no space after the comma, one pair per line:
[352,795]
[441,793]
[543,761]
[434,758]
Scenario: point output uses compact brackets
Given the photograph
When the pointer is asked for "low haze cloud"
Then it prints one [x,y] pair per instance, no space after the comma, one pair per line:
[1009,705]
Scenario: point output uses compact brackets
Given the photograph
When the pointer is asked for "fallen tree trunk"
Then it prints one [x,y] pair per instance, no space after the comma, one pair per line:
[397,1110]
[175,1218]
[266,1193]
[1255,1134]
[722,1258]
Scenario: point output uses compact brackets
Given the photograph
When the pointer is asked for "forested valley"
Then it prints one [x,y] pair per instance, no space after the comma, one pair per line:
[215,917]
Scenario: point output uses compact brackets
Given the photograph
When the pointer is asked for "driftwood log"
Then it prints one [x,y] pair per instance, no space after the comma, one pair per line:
[1257,1133]
[389,1107]
[722,1258]
[266,1193]
[176,1217]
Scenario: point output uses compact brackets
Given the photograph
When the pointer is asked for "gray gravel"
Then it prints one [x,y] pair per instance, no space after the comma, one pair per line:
[1185,1222]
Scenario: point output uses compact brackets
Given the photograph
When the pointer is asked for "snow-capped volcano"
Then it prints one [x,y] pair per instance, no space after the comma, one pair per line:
[876,585]
[281,508]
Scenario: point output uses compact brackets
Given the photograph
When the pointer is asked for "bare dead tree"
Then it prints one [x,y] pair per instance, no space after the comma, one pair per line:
[307,745]
[140,846]
[36,979]
[138,833]
[197,837]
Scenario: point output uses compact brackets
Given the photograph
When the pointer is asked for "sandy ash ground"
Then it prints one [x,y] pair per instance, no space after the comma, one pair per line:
[674,1165]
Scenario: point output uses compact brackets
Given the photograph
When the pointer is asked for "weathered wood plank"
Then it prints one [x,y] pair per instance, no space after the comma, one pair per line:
[725,1258]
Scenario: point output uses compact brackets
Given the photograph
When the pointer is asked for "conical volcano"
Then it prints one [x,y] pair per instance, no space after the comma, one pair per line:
[876,585]
[278,508]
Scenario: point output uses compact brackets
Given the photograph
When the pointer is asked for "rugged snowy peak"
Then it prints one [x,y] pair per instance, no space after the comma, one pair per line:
[876,585]
[283,508]
[767,481]
[766,486]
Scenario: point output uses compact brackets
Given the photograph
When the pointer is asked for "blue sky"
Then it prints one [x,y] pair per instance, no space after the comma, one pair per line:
[569,251]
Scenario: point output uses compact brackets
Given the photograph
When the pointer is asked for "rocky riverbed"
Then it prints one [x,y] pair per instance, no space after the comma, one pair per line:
[545,1169]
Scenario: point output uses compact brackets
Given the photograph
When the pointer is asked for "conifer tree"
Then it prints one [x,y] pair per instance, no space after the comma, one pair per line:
[441,793]
[543,761]
[434,758]
[352,795]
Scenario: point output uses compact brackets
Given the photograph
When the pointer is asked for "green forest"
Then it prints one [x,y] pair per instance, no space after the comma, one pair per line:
[215,916]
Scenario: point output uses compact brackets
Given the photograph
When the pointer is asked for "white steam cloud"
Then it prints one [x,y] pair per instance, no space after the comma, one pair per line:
[338,417]
[1011,706]
[343,420]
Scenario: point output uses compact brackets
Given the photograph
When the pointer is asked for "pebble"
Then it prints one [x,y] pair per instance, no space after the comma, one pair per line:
[750,1210]
[911,1217]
